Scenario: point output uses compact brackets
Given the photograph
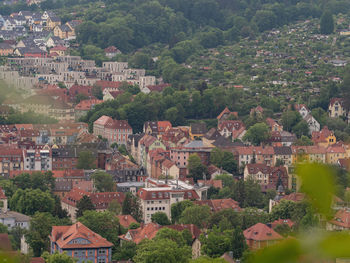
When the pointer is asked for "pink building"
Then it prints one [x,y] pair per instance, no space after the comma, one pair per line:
[113,130]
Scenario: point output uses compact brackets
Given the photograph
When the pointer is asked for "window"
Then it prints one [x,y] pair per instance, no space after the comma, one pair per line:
[101,260]
[102,251]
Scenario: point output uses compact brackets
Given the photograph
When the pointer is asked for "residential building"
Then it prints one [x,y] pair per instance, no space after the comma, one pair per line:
[341,221]
[160,199]
[217,205]
[324,138]
[283,153]
[116,131]
[197,130]
[11,159]
[37,160]
[226,114]
[156,128]
[126,220]
[260,236]
[80,243]
[337,108]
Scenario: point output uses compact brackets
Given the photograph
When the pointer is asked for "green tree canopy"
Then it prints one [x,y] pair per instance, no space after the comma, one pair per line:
[197,170]
[86,160]
[257,133]
[196,214]
[103,181]
[84,204]
[160,218]
[327,23]
[132,206]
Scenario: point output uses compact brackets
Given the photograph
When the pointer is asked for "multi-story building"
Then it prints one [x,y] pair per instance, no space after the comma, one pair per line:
[80,243]
[37,160]
[113,130]
[10,160]
[160,199]
[336,108]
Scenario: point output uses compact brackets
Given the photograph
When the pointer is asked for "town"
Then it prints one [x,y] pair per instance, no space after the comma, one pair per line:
[102,160]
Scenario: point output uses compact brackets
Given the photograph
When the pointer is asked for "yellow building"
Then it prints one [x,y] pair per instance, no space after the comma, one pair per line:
[324,138]
[197,130]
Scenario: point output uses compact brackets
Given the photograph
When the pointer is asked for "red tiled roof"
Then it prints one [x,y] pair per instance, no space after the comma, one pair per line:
[126,220]
[58,48]
[63,235]
[214,183]
[159,87]
[87,104]
[342,218]
[295,197]
[322,135]
[277,222]
[108,84]
[261,232]
[110,123]
[111,49]
[147,231]
[219,204]
[334,100]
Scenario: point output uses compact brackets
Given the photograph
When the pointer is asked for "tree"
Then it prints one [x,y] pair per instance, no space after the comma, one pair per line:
[197,170]
[103,181]
[97,92]
[84,204]
[301,129]
[216,243]
[29,201]
[196,214]
[114,207]
[132,206]
[105,224]
[58,258]
[224,160]
[238,243]
[290,119]
[160,218]
[257,133]
[178,208]
[86,160]
[162,250]
[125,252]
[37,180]
[327,23]
[304,141]
[40,229]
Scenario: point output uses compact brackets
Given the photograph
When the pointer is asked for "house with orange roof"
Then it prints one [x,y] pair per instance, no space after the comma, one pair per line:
[156,128]
[147,143]
[278,222]
[101,201]
[211,183]
[11,159]
[334,153]
[274,126]
[84,106]
[257,111]
[268,177]
[80,243]
[226,114]
[126,220]
[234,129]
[340,221]
[217,205]
[312,153]
[260,236]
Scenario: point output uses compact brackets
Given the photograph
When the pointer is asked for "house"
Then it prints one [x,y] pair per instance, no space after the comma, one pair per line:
[268,177]
[80,243]
[336,108]
[6,49]
[324,138]
[279,222]
[146,144]
[312,123]
[283,153]
[260,236]
[111,95]
[101,200]
[11,159]
[217,205]
[33,51]
[197,130]
[60,50]
[52,20]
[340,221]
[63,31]
[111,52]
[232,128]
[302,109]
[84,106]
[312,153]
[126,220]
[156,128]
[226,114]
[282,138]
[274,126]
[258,112]
[37,160]
[334,153]
[113,130]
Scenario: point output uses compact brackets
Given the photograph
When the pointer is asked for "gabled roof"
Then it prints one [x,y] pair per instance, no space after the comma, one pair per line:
[283,150]
[126,220]
[198,128]
[342,218]
[322,135]
[228,112]
[219,204]
[335,100]
[261,232]
[64,235]
[277,222]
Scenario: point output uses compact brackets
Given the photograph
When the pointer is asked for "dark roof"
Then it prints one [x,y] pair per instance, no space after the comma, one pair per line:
[198,128]
[283,150]
[223,142]
[5,46]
